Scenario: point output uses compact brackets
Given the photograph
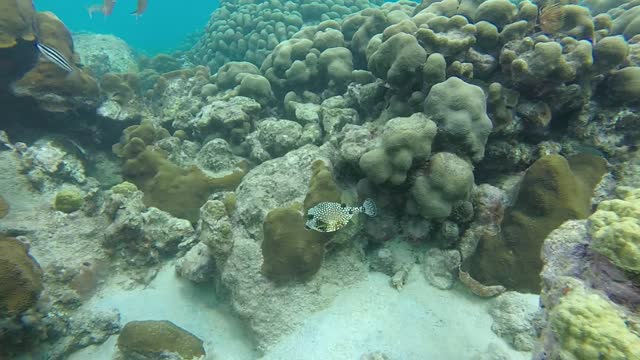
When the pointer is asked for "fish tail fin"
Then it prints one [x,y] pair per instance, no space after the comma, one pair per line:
[369,207]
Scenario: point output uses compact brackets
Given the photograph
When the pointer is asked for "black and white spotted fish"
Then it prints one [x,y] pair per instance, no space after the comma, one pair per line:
[331,216]
[55,57]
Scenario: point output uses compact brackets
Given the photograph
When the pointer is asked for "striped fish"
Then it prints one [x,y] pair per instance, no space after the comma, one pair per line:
[55,57]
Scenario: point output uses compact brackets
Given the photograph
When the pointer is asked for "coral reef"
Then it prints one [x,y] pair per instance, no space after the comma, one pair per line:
[249,31]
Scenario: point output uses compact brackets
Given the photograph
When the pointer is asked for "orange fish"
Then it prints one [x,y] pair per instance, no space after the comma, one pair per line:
[106,8]
[142,6]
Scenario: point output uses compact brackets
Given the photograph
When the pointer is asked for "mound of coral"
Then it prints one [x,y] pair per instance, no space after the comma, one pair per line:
[484,131]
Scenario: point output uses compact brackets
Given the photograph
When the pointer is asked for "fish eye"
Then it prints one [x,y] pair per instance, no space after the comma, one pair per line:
[309,216]
[343,205]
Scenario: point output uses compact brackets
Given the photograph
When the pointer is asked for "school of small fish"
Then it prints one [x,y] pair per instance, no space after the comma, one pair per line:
[106,8]
[331,216]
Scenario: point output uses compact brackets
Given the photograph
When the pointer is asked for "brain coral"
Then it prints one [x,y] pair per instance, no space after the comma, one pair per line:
[590,328]
[20,278]
[151,339]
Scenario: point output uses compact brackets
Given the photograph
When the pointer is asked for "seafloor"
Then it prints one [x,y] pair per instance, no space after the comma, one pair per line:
[160,207]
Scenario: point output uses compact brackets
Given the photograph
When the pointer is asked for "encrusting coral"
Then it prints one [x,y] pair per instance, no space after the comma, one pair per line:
[615,229]
[553,190]
[291,252]
[167,186]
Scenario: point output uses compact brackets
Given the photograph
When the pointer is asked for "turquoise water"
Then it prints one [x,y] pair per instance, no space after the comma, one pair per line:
[163,27]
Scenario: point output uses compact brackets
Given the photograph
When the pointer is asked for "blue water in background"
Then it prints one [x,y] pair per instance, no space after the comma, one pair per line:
[162,28]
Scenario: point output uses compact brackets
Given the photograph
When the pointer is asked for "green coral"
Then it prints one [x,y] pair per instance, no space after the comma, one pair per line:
[290,251]
[615,229]
[398,60]
[405,140]
[447,181]
[152,338]
[124,188]
[590,328]
[167,186]
[553,190]
[68,201]
[460,111]
[20,278]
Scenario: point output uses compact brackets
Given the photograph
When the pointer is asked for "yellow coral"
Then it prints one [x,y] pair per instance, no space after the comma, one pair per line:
[588,327]
[615,229]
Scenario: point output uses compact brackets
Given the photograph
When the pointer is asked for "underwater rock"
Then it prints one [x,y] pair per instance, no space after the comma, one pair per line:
[214,230]
[197,264]
[272,184]
[152,338]
[46,165]
[102,53]
[516,318]
[440,267]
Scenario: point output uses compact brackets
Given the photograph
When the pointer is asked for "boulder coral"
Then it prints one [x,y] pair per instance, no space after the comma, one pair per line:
[398,60]
[447,181]
[152,338]
[460,111]
[553,190]
[405,141]
[20,278]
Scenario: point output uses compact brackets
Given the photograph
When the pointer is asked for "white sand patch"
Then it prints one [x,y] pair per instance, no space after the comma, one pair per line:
[417,323]
[168,297]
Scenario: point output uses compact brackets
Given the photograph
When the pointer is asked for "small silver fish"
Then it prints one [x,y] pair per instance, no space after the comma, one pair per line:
[331,216]
[55,57]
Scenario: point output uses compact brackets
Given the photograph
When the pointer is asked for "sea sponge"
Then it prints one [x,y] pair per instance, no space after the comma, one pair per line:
[460,111]
[447,181]
[152,338]
[615,229]
[68,200]
[404,141]
[590,328]
[398,60]
[20,278]
[553,190]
